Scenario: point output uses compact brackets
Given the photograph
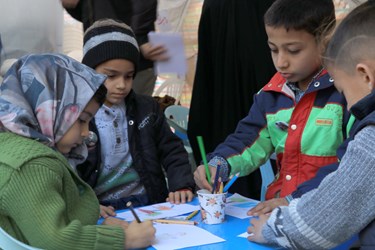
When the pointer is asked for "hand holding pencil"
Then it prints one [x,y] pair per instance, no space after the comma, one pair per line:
[201,181]
[138,234]
[200,177]
[205,175]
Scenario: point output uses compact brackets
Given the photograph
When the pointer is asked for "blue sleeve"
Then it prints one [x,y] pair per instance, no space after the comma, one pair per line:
[314,182]
[324,171]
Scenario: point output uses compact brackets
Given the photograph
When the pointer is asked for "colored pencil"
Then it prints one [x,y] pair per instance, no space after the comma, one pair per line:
[183,222]
[230,183]
[216,179]
[221,188]
[204,159]
[130,206]
[192,215]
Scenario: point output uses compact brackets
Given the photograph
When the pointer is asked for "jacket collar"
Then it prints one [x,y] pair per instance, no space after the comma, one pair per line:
[364,107]
[278,83]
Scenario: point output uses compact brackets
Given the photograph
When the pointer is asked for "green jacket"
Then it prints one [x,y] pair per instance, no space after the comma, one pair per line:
[43,203]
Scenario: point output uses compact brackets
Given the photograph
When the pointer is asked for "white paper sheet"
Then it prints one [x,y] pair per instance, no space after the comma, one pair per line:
[174,44]
[158,211]
[173,236]
[238,205]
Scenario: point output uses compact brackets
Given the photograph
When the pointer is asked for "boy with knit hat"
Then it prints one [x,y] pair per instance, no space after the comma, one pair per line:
[135,144]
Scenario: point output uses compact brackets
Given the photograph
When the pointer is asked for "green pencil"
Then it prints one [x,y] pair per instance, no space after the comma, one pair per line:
[203,154]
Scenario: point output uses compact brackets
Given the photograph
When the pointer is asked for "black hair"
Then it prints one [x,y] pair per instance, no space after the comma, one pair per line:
[354,38]
[313,16]
[100,94]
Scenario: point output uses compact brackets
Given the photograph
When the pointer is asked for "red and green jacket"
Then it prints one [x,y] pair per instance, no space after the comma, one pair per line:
[312,131]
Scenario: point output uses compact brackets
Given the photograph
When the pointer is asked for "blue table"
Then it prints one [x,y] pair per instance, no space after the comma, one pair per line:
[229,231]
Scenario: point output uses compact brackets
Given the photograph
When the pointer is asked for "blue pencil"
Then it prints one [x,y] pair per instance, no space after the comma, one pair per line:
[230,183]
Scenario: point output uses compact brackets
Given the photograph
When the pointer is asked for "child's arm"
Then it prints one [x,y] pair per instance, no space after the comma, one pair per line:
[250,145]
[173,155]
[42,212]
[341,206]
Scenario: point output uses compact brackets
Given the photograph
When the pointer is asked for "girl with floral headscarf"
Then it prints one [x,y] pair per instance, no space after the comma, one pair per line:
[46,103]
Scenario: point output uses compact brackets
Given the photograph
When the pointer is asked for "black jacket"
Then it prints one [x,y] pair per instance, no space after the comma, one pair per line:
[153,146]
[140,15]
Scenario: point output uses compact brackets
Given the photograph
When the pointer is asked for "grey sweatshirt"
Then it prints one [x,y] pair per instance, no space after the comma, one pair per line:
[341,206]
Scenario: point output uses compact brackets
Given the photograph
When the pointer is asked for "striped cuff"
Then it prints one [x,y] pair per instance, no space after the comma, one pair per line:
[224,167]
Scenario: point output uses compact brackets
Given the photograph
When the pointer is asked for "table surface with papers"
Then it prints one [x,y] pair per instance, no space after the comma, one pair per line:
[229,230]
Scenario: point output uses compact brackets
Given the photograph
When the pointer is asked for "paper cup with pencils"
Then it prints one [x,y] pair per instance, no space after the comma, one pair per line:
[212,206]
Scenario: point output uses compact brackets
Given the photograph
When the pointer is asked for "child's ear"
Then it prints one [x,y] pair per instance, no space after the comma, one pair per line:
[367,74]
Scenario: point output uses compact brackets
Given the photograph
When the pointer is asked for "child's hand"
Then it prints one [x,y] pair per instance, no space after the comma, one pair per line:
[105,212]
[256,228]
[201,179]
[115,222]
[267,206]
[183,195]
[139,235]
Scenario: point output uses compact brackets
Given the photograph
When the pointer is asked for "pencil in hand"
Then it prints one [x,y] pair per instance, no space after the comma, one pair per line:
[130,206]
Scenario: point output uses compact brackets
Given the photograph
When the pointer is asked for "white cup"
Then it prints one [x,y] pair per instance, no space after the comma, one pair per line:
[212,206]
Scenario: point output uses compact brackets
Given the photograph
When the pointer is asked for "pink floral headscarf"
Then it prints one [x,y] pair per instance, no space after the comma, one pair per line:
[42,96]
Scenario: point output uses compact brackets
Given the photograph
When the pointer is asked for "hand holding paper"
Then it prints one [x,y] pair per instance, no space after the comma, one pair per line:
[173,42]
[154,53]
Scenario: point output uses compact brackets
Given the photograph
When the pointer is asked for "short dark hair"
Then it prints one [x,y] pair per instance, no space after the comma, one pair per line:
[312,16]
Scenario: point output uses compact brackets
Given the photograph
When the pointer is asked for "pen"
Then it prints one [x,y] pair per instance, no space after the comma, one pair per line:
[183,222]
[227,186]
[192,215]
[129,205]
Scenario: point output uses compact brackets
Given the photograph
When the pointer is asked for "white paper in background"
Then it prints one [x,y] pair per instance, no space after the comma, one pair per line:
[158,211]
[244,235]
[174,44]
[174,236]
[238,205]
[171,15]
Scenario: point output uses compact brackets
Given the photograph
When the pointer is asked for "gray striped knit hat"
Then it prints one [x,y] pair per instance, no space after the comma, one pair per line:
[108,39]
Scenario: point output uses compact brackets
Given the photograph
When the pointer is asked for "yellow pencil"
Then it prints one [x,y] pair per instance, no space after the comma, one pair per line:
[221,188]
[191,215]
[184,222]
